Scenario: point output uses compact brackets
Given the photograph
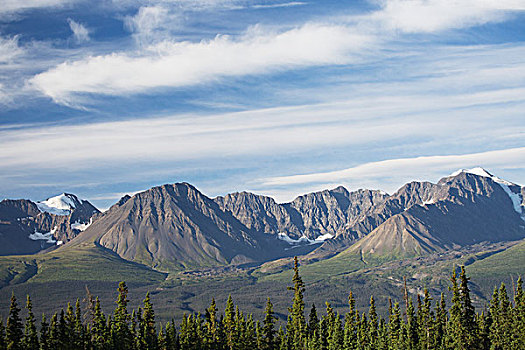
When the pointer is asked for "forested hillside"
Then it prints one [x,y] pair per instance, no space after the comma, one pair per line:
[423,323]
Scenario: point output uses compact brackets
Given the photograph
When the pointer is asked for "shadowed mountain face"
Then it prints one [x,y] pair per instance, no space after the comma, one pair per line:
[176,226]
[26,227]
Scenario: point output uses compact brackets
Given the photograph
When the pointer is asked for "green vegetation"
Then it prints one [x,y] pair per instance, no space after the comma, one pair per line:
[421,324]
[85,262]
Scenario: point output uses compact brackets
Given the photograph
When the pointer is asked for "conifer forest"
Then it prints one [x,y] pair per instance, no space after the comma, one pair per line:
[411,324]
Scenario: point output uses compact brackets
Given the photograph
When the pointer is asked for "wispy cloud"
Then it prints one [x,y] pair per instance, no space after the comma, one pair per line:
[172,64]
[278,5]
[407,168]
[80,32]
[426,16]
[13,6]
[9,49]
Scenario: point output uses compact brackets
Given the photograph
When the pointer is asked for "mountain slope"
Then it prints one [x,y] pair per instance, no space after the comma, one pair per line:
[462,209]
[176,226]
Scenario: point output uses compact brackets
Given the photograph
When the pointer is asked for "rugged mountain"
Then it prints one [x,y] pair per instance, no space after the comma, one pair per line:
[175,226]
[466,208]
[313,215]
[27,227]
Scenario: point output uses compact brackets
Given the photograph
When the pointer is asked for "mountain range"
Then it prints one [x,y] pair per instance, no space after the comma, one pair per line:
[175,226]
[172,235]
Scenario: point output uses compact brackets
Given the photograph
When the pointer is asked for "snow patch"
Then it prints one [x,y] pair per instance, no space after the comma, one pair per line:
[60,205]
[81,226]
[430,201]
[48,237]
[303,239]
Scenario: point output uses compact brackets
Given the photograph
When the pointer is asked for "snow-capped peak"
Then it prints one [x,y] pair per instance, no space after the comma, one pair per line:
[62,204]
[515,197]
[475,171]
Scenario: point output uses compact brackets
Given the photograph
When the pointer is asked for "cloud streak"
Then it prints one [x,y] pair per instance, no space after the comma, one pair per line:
[429,16]
[407,168]
[173,64]
[80,32]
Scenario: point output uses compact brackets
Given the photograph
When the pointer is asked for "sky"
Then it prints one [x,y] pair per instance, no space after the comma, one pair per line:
[103,98]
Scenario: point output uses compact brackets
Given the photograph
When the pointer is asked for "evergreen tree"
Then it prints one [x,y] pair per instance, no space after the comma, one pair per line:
[268,329]
[351,321]
[412,327]
[99,329]
[394,331]
[373,324]
[211,326]
[30,340]
[454,332]
[147,326]
[229,324]
[313,322]
[120,330]
[468,323]
[296,327]
[13,330]
[44,334]
[3,344]
[440,322]
[54,336]
[519,317]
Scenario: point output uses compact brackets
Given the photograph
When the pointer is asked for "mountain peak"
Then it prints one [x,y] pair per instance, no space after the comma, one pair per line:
[474,171]
[62,204]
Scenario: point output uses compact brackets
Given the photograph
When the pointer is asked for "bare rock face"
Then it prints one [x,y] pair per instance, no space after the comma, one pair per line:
[311,215]
[27,228]
[176,226]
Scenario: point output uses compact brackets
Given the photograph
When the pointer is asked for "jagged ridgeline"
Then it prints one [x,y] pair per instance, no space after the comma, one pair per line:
[187,247]
[423,323]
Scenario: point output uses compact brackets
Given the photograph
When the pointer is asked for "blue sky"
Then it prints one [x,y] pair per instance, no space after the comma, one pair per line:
[104,98]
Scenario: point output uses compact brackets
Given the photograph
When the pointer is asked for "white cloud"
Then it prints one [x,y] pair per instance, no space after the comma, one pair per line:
[14,6]
[278,5]
[415,119]
[172,64]
[408,167]
[9,49]
[80,32]
[426,16]
[391,174]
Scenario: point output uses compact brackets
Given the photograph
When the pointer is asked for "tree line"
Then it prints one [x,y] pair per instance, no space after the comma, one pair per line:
[419,324]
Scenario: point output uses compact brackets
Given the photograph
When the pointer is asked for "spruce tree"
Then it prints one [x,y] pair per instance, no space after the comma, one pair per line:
[99,329]
[229,324]
[296,327]
[212,327]
[54,336]
[519,316]
[394,328]
[44,334]
[3,344]
[313,322]
[412,327]
[373,324]
[268,329]
[350,328]
[13,330]
[120,331]
[148,325]
[468,313]
[454,328]
[30,340]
